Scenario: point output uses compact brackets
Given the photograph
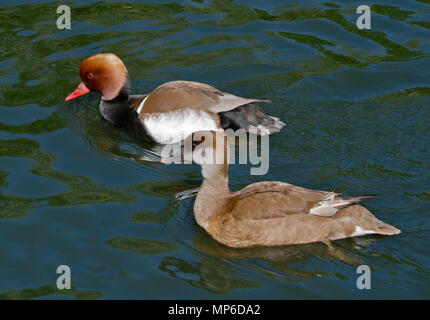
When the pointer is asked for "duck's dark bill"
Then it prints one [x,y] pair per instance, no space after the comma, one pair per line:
[80,91]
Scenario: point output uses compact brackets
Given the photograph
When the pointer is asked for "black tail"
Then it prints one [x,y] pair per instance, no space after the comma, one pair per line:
[250,116]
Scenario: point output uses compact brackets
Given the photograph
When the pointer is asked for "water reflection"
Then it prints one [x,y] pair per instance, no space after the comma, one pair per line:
[140,246]
[49,290]
[204,275]
[81,189]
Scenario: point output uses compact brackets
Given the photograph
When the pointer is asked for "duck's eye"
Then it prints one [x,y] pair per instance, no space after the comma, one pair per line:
[90,75]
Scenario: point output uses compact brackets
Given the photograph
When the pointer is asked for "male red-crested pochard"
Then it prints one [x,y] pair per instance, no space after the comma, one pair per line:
[173,110]
[272,213]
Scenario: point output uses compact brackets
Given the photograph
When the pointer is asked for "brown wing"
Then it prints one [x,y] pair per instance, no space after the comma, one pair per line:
[277,199]
[274,199]
[187,94]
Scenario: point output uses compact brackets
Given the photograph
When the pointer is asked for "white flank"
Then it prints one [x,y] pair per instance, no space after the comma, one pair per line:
[359,231]
[175,126]
[141,105]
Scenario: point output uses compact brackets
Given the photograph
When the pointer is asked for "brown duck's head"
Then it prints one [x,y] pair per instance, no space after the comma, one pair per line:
[104,73]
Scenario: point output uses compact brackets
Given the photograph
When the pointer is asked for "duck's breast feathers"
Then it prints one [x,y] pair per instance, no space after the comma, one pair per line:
[188,94]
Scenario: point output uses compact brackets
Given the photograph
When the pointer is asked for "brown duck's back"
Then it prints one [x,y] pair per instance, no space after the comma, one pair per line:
[176,95]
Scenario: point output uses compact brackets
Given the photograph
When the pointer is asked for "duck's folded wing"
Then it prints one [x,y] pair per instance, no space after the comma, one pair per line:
[271,199]
[176,95]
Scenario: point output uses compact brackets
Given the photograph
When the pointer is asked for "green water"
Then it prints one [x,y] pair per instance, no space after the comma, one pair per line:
[76,191]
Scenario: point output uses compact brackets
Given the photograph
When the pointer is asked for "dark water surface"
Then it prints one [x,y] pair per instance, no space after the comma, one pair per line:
[75,191]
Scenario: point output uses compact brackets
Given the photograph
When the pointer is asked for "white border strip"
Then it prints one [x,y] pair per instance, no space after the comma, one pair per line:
[141,105]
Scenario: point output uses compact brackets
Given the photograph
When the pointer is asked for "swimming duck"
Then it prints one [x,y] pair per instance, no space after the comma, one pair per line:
[272,213]
[170,112]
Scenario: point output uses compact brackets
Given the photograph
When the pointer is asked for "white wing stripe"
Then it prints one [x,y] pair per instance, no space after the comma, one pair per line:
[141,105]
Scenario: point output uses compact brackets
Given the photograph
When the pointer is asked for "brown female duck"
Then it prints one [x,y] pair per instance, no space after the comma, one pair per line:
[273,213]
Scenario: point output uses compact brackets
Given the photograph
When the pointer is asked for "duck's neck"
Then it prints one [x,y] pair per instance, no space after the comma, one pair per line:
[215,176]
[118,110]
[214,193]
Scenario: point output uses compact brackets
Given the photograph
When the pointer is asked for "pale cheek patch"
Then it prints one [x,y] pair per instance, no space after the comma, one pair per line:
[175,126]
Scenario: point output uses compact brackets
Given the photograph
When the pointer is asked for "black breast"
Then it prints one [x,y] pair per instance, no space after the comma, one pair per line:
[121,114]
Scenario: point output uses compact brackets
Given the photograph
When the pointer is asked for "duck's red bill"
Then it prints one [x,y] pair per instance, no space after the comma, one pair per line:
[80,91]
